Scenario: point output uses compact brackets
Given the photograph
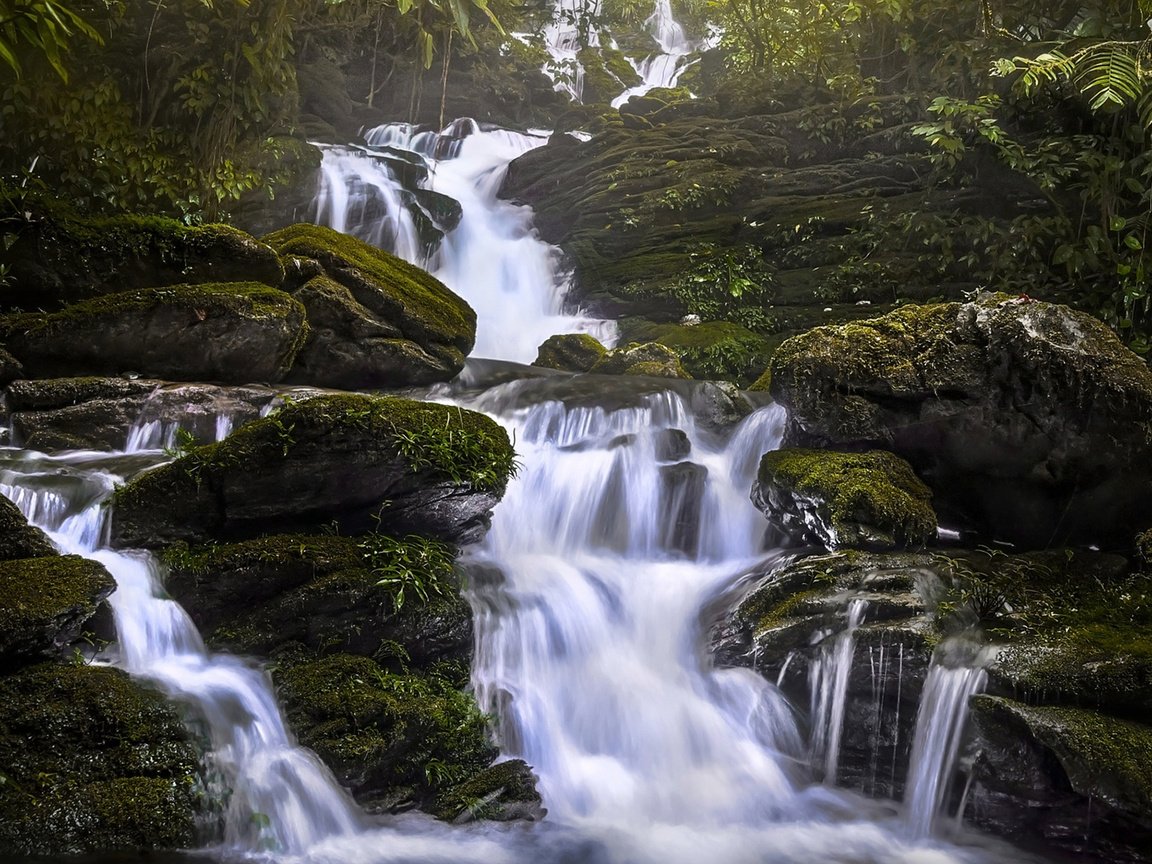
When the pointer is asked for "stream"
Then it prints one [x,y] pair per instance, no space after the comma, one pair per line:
[627,533]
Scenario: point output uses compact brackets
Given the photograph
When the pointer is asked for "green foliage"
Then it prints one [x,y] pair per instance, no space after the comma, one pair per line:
[729,283]
[44,26]
[454,451]
[412,567]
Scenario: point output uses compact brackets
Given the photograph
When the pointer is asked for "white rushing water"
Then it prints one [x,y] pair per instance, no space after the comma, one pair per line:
[829,687]
[939,734]
[493,259]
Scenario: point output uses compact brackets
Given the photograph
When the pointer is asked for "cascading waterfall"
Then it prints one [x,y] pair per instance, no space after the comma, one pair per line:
[829,685]
[280,796]
[493,258]
[939,733]
[664,68]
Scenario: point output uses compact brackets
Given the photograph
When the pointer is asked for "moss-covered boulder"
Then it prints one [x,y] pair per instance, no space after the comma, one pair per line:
[393,599]
[358,462]
[233,332]
[44,602]
[377,320]
[98,413]
[711,350]
[1031,422]
[394,739]
[18,539]
[60,258]
[845,500]
[1079,779]
[501,793]
[570,352]
[92,762]
[649,359]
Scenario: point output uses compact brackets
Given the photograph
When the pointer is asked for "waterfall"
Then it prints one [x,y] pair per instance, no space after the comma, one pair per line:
[280,796]
[493,258]
[829,675]
[939,733]
[662,69]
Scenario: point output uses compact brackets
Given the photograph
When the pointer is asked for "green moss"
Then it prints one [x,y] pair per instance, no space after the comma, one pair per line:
[1103,757]
[92,762]
[488,793]
[649,359]
[763,383]
[52,393]
[422,304]
[380,730]
[713,350]
[44,600]
[18,539]
[877,490]
[570,352]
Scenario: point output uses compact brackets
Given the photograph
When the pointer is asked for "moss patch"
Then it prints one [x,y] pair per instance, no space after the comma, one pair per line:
[92,762]
[44,601]
[387,735]
[848,499]
[713,350]
[18,539]
[570,352]
[419,304]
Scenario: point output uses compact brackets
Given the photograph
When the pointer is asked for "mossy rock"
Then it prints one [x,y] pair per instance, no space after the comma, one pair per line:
[92,762]
[763,384]
[846,500]
[649,359]
[1072,767]
[360,595]
[18,539]
[60,258]
[504,792]
[570,352]
[359,462]
[234,332]
[45,602]
[712,350]
[393,739]
[607,74]
[10,368]
[1029,420]
[378,320]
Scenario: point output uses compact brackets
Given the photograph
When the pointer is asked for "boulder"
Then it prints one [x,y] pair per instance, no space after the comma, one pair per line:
[93,413]
[357,462]
[501,793]
[867,500]
[60,258]
[93,762]
[10,368]
[651,360]
[709,350]
[374,596]
[395,739]
[377,321]
[234,332]
[45,602]
[18,539]
[1077,778]
[570,352]
[1031,422]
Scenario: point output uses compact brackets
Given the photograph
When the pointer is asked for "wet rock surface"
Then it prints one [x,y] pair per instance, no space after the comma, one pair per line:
[1029,421]
[354,461]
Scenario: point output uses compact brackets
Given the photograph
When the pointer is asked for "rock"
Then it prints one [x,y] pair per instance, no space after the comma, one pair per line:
[92,762]
[377,320]
[358,462]
[1077,778]
[794,616]
[10,368]
[61,258]
[396,740]
[570,352]
[234,332]
[651,360]
[1031,422]
[99,413]
[45,603]
[502,793]
[265,595]
[713,350]
[681,492]
[18,539]
[845,500]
